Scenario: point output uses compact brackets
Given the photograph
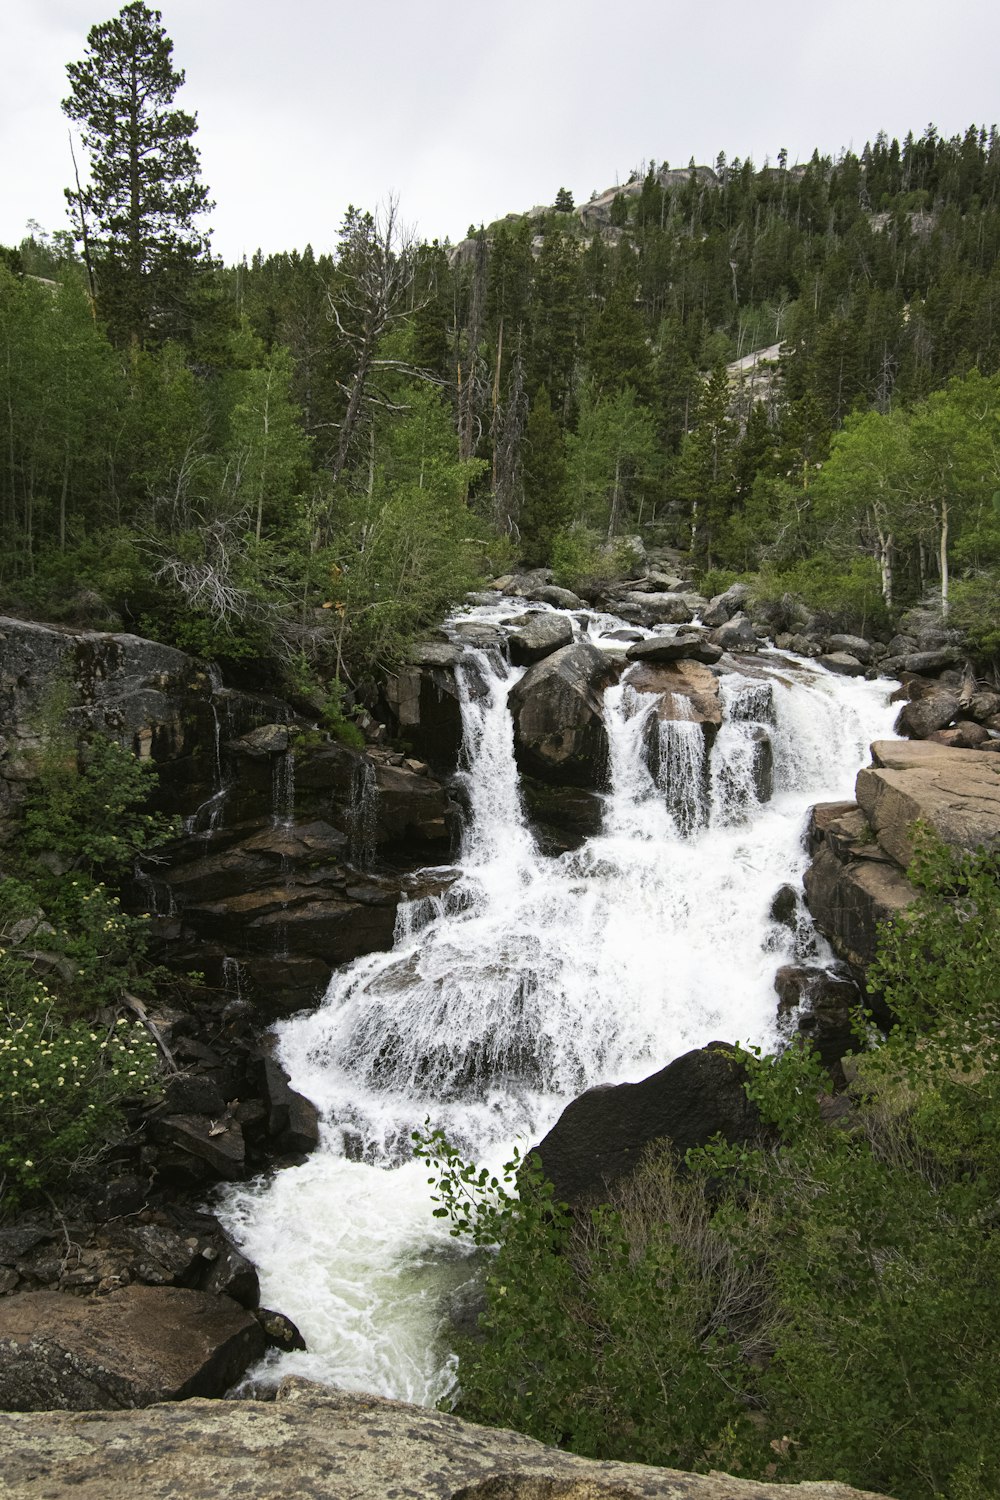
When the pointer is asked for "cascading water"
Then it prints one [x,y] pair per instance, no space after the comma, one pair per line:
[531,979]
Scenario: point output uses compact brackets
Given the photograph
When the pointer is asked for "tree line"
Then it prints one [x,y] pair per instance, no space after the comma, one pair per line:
[307,454]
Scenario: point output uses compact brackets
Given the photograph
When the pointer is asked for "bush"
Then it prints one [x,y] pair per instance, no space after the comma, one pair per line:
[582,558]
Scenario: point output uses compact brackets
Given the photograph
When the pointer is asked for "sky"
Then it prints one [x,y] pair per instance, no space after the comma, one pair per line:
[467,111]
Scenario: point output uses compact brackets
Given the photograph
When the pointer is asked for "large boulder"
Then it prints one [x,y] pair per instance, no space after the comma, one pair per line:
[330,1445]
[723,606]
[559,729]
[955,793]
[653,609]
[603,1134]
[852,884]
[822,1006]
[684,646]
[536,635]
[923,715]
[138,1345]
[736,634]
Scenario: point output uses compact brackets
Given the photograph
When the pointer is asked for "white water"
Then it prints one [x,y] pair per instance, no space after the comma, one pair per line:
[532,979]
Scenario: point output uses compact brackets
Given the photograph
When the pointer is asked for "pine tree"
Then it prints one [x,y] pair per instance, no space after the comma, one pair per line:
[136,216]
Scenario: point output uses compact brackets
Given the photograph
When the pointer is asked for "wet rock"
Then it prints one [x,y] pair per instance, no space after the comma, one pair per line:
[785,907]
[682,647]
[280,1332]
[561,817]
[559,729]
[965,735]
[602,1135]
[537,635]
[822,1005]
[557,597]
[268,739]
[684,690]
[232,1275]
[293,1120]
[425,702]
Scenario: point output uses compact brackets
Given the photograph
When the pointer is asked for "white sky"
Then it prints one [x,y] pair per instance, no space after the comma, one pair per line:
[471,110]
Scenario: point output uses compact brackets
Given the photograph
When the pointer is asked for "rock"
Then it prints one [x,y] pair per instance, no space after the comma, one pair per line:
[281,1332]
[826,1004]
[736,635]
[559,729]
[562,817]
[653,609]
[601,1136]
[849,900]
[478,634]
[921,716]
[842,663]
[211,1150]
[269,739]
[853,645]
[232,1275]
[410,810]
[956,793]
[293,1119]
[723,606]
[681,647]
[432,653]
[965,735]
[330,1445]
[922,663]
[426,705]
[130,1348]
[982,706]
[684,689]
[537,635]
[557,597]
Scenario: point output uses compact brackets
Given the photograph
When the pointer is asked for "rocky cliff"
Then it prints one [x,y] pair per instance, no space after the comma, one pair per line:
[320,1445]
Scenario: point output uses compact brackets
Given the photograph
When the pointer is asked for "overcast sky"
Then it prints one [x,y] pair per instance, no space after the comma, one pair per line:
[471,110]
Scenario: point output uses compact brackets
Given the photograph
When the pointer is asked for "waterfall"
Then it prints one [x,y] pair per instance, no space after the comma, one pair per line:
[283,788]
[531,979]
[362,814]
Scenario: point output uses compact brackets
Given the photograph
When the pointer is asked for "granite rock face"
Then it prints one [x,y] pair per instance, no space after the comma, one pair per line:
[313,1444]
[559,729]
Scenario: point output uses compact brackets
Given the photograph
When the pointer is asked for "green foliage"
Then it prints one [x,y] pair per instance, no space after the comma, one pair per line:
[62,1086]
[582,558]
[849,596]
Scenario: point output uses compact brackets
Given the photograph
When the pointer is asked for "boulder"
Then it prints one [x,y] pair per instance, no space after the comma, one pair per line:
[559,598]
[559,729]
[736,635]
[209,1150]
[602,1135]
[293,1119]
[536,635]
[330,1445]
[921,716]
[268,739]
[854,645]
[130,1348]
[561,817]
[684,646]
[923,663]
[965,735]
[956,793]
[424,698]
[723,606]
[842,663]
[653,609]
[410,810]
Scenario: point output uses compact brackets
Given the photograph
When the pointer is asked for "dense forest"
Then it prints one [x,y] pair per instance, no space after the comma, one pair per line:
[303,457]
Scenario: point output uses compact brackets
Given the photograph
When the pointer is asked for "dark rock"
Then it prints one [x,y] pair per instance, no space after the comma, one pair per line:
[280,1332]
[216,1146]
[723,606]
[293,1119]
[826,1004]
[559,729]
[681,647]
[602,1135]
[267,740]
[784,906]
[848,902]
[923,663]
[131,1348]
[425,702]
[232,1275]
[562,817]
[193,1094]
[537,635]
[161,1256]
[920,717]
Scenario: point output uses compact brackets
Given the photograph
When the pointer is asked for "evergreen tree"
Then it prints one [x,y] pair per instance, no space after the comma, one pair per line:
[137,215]
[546,504]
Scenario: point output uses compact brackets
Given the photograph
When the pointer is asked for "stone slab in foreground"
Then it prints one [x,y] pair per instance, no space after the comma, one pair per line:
[313,1444]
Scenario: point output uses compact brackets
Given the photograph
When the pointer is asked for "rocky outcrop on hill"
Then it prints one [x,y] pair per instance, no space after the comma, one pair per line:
[330,1445]
[860,850]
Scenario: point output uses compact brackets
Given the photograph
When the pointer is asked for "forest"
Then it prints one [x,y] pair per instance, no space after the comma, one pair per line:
[302,458]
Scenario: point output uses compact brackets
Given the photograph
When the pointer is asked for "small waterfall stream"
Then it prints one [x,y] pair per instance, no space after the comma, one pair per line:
[533,978]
